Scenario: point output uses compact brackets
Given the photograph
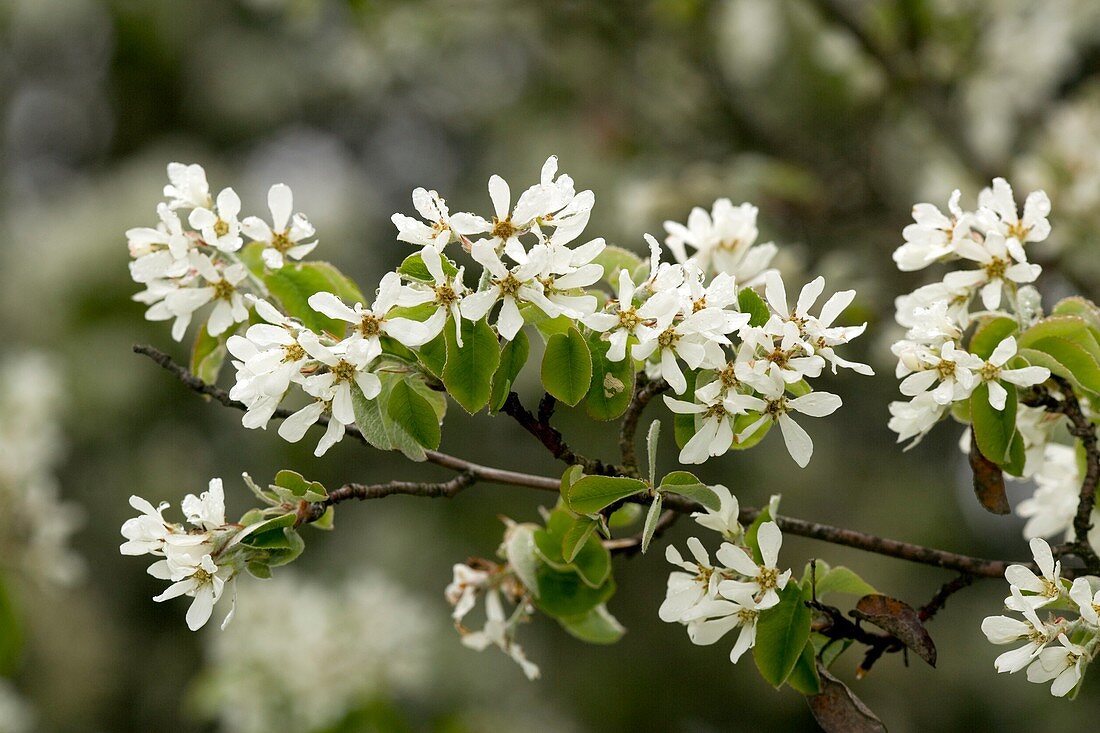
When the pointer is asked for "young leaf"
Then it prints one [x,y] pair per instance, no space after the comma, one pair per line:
[613,259]
[293,284]
[993,428]
[433,355]
[512,359]
[651,518]
[592,493]
[413,267]
[565,595]
[683,425]
[1067,359]
[575,537]
[413,413]
[208,354]
[567,367]
[519,550]
[804,677]
[743,421]
[597,626]
[651,439]
[686,484]
[750,302]
[989,333]
[469,370]
[840,580]
[781,635]
[298,487]
[612,383]
[1069,328]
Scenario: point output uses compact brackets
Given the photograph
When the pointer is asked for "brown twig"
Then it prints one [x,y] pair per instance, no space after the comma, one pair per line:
[975,566]
[930,609]
[632,545]
[550,436]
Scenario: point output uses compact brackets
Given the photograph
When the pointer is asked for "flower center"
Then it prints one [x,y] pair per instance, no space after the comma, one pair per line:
[370,326]
[629,319]
[445,294]
[779,357]
[990,372]
[747,615]
[223,290]
[509,285]
[699,305]
[995,269]
[776,407]
[293,352]
[344,371]
[221,227]
[730,245]
[668,338]
[768,578]
[503,228]
[945,369]
[281,242]
[728,376]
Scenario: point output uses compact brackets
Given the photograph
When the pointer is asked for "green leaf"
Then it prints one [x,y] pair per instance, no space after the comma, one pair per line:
[993,429]
[804,677]
[469,371]
[613,259]
[651,518]
[1069,328]
[781,635]
[293,284]
[208,354]
[591,494]
[406,407]
[750,302]
[379,429]
[651,439]
[1067,359]
[597,626]
[799,388]
[567,367]
[299,488]
[839,580]
[565,595]
[512,359]
[625,516]
[413,267]
[612,383]
[327,520]
[1082,308]
[989,333]
[575,537]
[686,485]
[433,355]
[591,561]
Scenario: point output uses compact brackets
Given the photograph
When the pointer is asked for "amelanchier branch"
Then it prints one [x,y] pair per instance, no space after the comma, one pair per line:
[471,473]
[644,391]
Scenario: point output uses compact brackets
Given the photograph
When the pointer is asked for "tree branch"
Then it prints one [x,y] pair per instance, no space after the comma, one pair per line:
[550,436]
[975,566]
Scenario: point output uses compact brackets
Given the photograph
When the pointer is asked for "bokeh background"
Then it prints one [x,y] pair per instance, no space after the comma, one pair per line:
[833,116]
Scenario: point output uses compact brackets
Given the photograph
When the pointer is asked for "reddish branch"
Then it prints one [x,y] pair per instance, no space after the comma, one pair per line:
[974,566]
[540,427]
[644,391]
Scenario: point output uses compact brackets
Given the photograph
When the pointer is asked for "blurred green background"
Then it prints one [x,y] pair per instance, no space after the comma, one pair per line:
[833,116]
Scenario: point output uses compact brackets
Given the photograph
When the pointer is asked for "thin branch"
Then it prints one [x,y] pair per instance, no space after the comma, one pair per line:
[644,391]
[632,545]
[308,512]
[930,609]
[550,436]
[975,566]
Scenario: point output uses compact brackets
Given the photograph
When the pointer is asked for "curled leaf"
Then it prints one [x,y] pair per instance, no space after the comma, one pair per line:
[837,710]
[898,619]
[989,481]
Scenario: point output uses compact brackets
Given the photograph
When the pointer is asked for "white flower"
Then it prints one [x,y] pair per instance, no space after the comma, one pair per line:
[221,289]
[932,235]
[147,532]
[159,252]
[1064,664]
[219,226]
[950,366]
[993,372]
[269,359]
[725,520]
[510,286]
[712,619]
[462,593]
[1006,630]
[686,588]
[194,573]
[441,223]
[915,418]
[775,406]
[1051,509]
[187,188]
[765,579]
[372,322]
[445,292]
[1044,588]
[626,320]
[1087,600]
[284,236]
[499,631]
[1002,262]
[716,410]
[997,204]
[206,511]
[723,240]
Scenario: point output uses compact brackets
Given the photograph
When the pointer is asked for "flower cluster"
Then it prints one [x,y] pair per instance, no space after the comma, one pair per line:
[739,361]
[197,559]
[990,242]
[495,583]
[712,599]
[1055,648]
[187,264]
